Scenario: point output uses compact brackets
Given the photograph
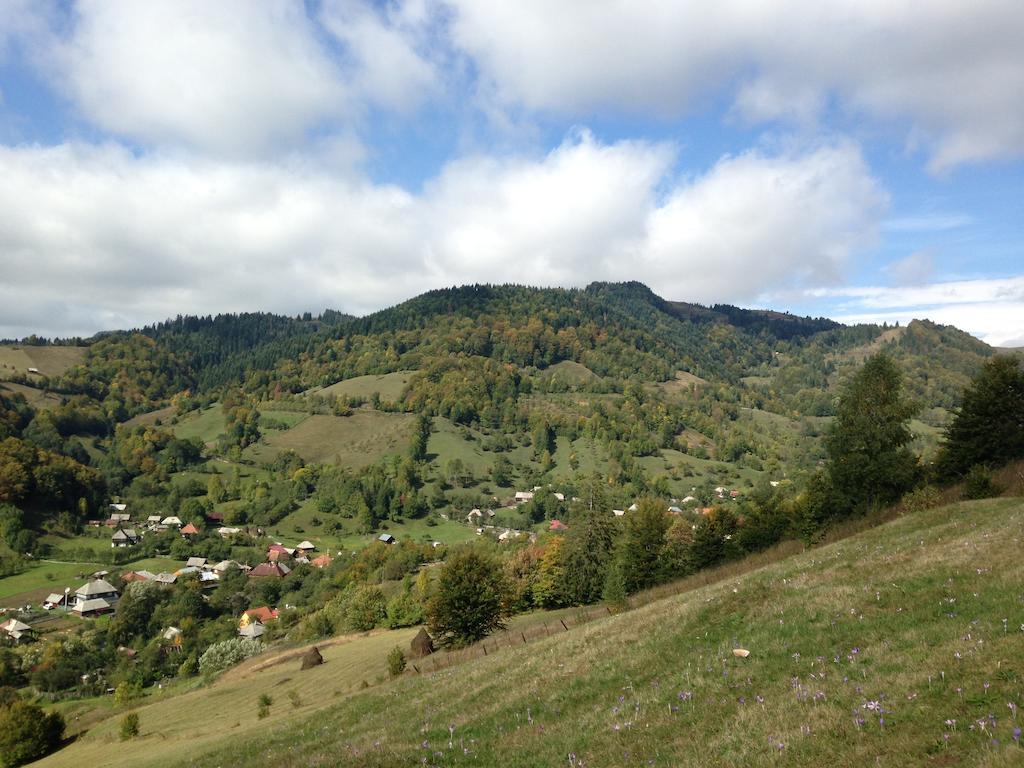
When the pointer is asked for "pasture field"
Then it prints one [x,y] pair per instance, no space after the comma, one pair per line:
[352,441]
[163,415]
[899,646]
[571,373]
[207,424]
[50,361]
[389,386]
[37,398]
[299,525]
[288,418]
[34,584]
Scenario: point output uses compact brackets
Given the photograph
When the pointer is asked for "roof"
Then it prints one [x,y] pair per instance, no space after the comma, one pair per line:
[172,520]
[254,630]
[153,519]
[119,507]
[57,598]
[269,569]
[306,545]
[189,529]
[225,565]
[94,605]
[125,534]
[166,578]
[170,633]
[557,525]
[13,625]
[98,587]
[197,562]
[263,613]
[322,561]
[387,538]
[135,576]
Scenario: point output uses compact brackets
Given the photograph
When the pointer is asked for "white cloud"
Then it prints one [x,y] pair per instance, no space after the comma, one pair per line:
[992,309]
[95,237]
[915,269]
[389,65]
[231,76]
[950,71]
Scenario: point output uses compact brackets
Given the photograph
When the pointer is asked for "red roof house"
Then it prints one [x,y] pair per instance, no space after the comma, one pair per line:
[189,530]
[557,525]
[276,570]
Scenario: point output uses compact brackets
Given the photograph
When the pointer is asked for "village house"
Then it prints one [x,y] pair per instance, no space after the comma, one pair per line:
[306,547]
[17,631]
[165,578]
[273,570]
[196,562]
[173,637]
[189,530]
[94,598]
[387,538]
[522,497]
[117,519]
[322,561]
[125,537]
[171,521]
[252,631]
[262,615]
[64,601]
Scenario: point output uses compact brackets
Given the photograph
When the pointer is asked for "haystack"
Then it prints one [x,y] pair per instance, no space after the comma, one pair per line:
[311,658]
[421,645]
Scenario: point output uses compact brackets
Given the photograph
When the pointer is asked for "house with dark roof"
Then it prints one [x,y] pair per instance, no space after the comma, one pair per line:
[387,538]
[272,570]
[124,537]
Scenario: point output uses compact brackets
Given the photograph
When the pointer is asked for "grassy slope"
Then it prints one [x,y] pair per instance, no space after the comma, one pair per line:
[51,361]
[355,440]
[909,615]
[37,398]
[389,386]
[36,583]
[206,424]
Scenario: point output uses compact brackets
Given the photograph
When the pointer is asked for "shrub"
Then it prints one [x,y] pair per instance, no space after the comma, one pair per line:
[366,609]
[27,732]
[926,497]
[978,484]
[396,662]
[263,708]
[227,653]
[129,726]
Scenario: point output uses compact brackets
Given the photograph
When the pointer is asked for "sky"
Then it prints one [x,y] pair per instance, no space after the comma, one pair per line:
[856,159]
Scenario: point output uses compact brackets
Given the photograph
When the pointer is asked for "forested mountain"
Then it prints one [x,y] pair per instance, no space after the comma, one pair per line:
[651,393]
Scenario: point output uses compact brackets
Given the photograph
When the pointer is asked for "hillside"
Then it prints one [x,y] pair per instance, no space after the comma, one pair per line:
[899,646]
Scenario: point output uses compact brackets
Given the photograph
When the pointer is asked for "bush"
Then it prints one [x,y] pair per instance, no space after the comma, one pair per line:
[227,653]
[263,708]
[28,732]
[366,608]
[129,726]
[926,497]
[978,484]
[396,662]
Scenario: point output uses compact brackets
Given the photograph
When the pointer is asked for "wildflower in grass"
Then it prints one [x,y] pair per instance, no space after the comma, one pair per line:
[685,695]
[819,695]
[985,686]
[1013,709]
[872,706]
[1016,734]
[760,699]
[950,722]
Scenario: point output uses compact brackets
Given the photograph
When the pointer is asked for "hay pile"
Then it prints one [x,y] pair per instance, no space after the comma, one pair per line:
[311,658]
[421,645]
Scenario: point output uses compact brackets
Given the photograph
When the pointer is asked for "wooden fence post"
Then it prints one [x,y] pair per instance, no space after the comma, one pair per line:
[563,625]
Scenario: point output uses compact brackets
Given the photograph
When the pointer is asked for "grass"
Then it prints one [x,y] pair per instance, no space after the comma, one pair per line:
[175,724]
[353,441]
[207,424]
[571,373]
[51,361]
[288,530]
[45,577]
[37,398]
[288,418]
[389,386]
[862,652]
